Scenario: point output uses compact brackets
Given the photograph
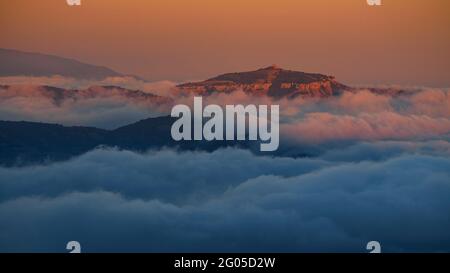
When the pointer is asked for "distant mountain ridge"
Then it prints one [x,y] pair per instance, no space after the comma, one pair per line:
[275,82]
[19,63]
[59,95]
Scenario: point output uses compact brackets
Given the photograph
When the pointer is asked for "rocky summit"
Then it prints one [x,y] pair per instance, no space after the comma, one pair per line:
[270,81]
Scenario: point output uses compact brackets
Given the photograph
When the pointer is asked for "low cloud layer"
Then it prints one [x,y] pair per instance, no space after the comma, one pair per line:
[231,200]
[97,106]
[158,88]
[362,115]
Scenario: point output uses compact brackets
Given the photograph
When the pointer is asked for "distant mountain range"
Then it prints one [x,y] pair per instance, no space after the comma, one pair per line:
[271,81]
[19,63]
[59,95]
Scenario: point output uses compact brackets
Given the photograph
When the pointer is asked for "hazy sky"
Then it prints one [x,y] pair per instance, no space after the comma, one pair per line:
[403,41]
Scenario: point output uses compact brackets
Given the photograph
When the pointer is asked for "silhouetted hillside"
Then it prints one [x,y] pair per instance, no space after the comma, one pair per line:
[24,143]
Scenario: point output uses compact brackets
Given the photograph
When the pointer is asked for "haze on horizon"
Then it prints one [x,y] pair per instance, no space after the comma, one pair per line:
[402,42]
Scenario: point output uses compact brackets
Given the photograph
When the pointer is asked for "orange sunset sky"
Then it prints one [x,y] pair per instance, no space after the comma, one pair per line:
[402,42]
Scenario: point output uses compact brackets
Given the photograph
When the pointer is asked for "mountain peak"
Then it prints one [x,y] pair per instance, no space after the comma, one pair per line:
[272,67]
[271,81]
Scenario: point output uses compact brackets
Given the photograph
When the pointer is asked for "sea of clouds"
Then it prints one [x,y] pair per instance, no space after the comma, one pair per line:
[232,200]
[379,169]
